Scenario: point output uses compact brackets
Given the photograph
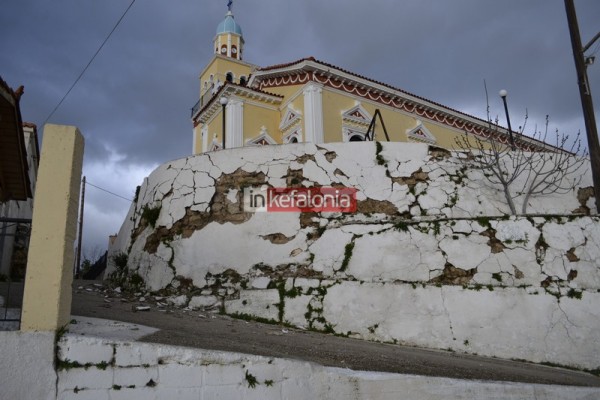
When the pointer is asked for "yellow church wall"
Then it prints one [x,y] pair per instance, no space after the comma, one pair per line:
[335,103]
[397,122]
[333,106]
[445,136]
[197,140]
[219,67]
[292,96]
[215,126]
[255,117]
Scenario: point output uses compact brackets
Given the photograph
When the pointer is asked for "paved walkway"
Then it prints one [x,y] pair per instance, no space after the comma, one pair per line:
[217,332]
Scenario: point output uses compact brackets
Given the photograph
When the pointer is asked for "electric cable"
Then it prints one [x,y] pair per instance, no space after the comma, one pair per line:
[88,64]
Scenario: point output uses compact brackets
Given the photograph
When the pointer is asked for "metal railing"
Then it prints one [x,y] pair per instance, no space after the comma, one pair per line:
[204,99]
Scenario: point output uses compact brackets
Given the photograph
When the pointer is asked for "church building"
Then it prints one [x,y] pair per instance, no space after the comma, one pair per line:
[309,100]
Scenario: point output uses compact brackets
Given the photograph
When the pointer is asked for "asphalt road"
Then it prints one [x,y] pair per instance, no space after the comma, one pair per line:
[216,332]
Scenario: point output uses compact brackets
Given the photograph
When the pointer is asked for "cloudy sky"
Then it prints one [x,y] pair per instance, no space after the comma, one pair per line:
[133,104]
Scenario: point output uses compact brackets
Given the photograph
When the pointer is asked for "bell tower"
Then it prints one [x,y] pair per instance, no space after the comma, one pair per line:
[225,68]
[229,41]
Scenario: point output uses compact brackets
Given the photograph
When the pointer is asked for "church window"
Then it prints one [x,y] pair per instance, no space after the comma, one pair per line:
[224,49]
[229,77]
[243,80]
[355,123]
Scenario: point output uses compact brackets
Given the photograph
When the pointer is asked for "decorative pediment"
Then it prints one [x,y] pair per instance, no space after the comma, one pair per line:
[357,115]
[421,134]
[262,139]
[291,117]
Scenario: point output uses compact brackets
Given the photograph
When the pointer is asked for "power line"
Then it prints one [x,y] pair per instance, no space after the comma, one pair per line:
[108,191]
[88,64]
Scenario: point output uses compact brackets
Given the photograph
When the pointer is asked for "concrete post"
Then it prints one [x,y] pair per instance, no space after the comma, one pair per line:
[47,297]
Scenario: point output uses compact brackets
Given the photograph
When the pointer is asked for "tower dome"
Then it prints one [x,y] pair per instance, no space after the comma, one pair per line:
[229,41]
[228,25]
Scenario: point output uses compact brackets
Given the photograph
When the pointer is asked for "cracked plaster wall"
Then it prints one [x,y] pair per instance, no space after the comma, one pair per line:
[428,233]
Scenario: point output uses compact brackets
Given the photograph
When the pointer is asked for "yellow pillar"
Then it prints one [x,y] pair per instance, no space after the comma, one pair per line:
[47,297]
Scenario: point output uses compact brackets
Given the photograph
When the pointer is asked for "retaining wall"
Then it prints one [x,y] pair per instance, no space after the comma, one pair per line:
[430,258]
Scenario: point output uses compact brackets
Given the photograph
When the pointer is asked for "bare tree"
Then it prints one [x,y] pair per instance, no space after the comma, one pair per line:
[533,168]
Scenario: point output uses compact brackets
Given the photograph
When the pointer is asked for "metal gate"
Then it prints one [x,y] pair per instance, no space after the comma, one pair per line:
[14,245]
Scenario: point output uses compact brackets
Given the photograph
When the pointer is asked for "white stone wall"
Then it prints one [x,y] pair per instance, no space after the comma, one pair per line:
[102,369]
[429,259]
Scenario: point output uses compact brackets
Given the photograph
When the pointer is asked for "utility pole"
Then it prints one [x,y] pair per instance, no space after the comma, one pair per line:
[586,96]
[78,263]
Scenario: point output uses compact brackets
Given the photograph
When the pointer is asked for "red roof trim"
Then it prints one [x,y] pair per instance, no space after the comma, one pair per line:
[485,124]
[279,66]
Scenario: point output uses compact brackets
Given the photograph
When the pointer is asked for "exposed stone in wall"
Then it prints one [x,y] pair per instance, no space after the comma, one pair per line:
[454,276]
[584,195]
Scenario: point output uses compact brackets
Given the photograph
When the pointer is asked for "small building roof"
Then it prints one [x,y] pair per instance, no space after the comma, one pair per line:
[14,177]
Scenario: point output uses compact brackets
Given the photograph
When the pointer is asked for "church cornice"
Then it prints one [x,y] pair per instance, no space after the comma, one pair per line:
[231,89]
[309,69]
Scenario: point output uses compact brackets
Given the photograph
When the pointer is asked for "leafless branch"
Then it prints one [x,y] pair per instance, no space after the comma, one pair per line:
[523,172]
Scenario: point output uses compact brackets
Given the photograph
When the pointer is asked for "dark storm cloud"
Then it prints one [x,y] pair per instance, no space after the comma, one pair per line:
[133,104]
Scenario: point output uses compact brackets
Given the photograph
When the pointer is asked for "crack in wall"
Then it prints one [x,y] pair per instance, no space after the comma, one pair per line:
[447,313]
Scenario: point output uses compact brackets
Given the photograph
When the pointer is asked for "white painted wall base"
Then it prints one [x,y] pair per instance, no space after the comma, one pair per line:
[27,365]
[148,371]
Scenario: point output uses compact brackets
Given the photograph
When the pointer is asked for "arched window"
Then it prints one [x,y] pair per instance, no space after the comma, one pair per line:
[243,80]
[234,53]
[229,77]
[294,140]
[357,138]
[224,50]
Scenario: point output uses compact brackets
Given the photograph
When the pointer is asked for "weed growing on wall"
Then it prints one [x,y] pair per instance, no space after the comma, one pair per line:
[151,214]
[347,256]
[124,277]
[378,156]
[251,380]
